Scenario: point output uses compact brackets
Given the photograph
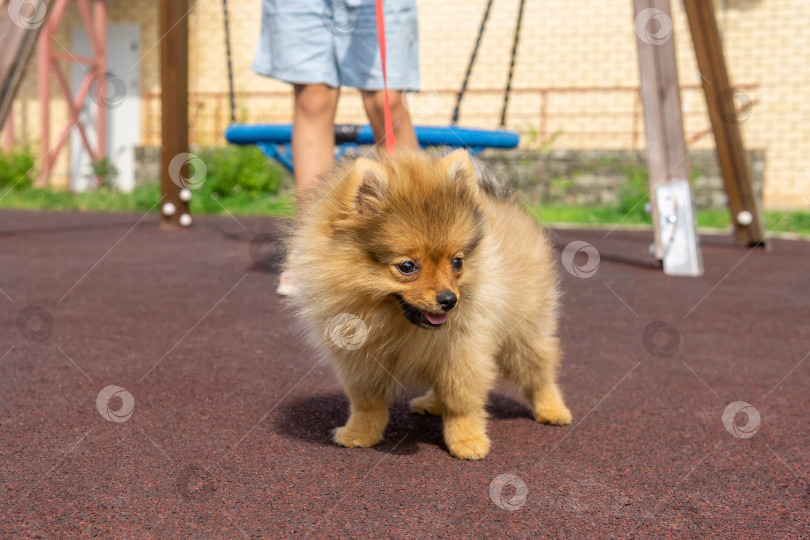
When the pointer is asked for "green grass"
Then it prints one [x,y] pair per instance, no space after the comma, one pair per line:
[244,204]
[283,205]
[239,180]
[142,199]
[775,221]
[97,201]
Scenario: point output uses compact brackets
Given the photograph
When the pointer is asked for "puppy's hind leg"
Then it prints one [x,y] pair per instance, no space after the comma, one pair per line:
[548,405]
[427,404]
[533,366]
[368,416]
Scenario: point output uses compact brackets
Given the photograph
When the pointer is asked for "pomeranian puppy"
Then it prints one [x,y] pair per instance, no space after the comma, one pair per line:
[416,269]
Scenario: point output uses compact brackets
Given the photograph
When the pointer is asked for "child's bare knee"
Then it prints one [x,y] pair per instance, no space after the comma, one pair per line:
[376,102]
[315,103]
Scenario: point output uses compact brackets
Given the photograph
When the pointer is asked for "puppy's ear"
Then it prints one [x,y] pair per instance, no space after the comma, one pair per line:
[368,186]
[458,166]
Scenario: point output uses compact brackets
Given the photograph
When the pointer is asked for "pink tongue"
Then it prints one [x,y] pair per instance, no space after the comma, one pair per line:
[435,319]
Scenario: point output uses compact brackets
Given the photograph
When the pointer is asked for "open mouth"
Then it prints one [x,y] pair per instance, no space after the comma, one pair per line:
[423,319]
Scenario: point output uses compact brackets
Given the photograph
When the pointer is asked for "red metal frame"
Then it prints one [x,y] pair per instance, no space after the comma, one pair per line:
[48,62]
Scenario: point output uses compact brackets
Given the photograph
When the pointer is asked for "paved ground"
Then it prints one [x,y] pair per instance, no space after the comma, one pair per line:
[230,414]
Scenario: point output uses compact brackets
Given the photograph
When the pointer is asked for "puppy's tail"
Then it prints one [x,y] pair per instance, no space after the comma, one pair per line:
[490,183]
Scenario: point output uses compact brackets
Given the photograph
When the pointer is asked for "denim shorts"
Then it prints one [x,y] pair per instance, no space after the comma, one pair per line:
[334,42]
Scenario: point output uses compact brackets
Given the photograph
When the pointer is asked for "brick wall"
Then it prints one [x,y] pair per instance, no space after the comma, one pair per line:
[575,83]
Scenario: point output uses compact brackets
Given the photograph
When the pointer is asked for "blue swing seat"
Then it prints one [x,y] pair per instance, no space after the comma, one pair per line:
[274,139]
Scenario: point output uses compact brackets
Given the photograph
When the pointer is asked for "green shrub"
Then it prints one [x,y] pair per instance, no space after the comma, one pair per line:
[232,170]
[17,168]
[105,169]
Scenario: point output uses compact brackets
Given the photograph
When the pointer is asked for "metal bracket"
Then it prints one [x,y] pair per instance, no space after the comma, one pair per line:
[678,229]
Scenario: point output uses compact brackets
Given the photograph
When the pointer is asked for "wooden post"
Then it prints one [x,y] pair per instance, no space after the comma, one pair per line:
[17,43]
[742,201]
[174,102]
[660,96]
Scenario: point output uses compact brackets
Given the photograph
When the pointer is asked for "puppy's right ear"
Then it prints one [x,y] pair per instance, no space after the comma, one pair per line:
[459,168]
[368,186]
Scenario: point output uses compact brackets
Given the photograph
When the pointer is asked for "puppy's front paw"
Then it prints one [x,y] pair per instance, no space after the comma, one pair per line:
[473,448]
[557,416]
[427,404]
[350,438]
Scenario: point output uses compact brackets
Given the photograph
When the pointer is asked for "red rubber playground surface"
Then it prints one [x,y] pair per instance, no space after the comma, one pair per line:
[158,388]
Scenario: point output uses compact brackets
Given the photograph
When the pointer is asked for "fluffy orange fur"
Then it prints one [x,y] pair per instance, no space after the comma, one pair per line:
[389,234]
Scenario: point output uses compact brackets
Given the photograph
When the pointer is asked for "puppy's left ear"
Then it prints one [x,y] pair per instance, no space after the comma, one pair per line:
[458,166]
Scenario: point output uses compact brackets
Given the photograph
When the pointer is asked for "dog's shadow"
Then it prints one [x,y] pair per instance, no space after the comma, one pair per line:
[312,419]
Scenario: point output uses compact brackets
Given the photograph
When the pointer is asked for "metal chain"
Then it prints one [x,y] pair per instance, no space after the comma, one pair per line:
[512,64]
[228,54]
[454,120]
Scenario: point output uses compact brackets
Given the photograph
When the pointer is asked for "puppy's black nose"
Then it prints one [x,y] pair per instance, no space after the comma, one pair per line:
[447,300]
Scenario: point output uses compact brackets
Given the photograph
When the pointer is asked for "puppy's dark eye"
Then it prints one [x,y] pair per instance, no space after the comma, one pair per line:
[408,268]
[457,264]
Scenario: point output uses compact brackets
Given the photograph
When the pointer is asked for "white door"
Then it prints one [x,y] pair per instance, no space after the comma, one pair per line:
[121,98]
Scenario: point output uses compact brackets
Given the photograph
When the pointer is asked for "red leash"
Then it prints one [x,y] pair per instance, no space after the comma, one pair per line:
[390,140]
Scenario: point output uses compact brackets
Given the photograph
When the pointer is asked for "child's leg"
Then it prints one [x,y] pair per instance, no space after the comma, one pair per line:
[313,146]
[374,102]
[313,137]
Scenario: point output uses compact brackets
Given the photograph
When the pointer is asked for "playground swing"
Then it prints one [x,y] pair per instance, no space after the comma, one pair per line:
[274,139]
